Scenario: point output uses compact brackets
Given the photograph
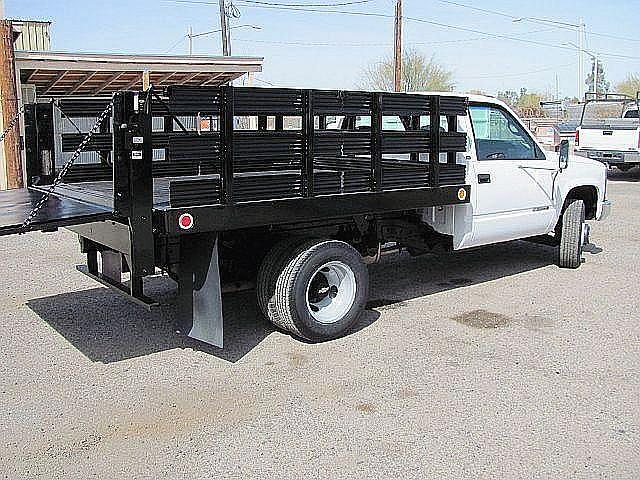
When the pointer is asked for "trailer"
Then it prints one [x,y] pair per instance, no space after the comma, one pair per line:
[211,185]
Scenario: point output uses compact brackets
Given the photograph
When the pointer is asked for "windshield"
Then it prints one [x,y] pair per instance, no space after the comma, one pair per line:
[596,113]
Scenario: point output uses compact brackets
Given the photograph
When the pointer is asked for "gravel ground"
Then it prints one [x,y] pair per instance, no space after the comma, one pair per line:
[491,363]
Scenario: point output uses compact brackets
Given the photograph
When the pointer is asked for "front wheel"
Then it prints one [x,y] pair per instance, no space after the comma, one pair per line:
[318,291]
[574,234]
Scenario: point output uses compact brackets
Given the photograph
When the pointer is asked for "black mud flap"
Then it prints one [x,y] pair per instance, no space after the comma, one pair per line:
[16,204]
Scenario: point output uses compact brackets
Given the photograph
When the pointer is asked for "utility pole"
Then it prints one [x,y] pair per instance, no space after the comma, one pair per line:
[190,36]
[397,52]
[11,157]
[580,59]
[595,75]
[224,27]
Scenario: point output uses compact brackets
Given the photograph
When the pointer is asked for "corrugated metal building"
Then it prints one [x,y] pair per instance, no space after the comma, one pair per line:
[33,35]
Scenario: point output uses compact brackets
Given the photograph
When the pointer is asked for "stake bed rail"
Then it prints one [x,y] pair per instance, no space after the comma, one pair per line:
[232,159]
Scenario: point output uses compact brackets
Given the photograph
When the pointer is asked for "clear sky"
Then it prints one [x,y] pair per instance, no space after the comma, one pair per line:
[330,50]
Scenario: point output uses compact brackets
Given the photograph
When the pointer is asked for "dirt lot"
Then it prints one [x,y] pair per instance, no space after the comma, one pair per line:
[492,363]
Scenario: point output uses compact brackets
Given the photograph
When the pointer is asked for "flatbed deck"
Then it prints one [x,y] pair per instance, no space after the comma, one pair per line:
[57,212]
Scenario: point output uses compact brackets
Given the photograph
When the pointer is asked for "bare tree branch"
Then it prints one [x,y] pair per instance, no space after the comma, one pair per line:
[418,74]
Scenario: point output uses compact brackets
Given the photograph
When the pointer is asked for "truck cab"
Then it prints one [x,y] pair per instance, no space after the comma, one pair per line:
[519,190]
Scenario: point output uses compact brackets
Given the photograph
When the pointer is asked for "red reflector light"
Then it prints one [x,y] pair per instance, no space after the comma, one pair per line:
[577,137]
[185,221]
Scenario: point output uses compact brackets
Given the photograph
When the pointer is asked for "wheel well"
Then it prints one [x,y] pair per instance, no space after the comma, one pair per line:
[589,195]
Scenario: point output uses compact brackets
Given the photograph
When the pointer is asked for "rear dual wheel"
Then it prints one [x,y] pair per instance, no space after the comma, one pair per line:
[315,289]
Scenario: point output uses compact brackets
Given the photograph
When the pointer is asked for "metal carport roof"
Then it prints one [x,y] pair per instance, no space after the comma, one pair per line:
[59,74]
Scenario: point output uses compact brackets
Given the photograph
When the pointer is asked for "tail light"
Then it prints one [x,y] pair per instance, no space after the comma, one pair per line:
[577,138]
[638,139]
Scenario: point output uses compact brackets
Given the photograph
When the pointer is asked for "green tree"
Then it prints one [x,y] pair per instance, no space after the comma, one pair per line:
[419,73]
[524,102]
[510,97]
[603,85]
[528,100]
[630,86]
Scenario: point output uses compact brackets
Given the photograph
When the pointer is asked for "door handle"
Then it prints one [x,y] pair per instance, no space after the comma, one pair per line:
[484,178]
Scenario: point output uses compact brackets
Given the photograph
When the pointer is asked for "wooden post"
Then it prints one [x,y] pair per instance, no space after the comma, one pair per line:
[397,51]
[9,99]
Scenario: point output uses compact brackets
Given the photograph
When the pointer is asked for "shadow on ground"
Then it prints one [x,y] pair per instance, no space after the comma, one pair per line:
[107,327]
[616,175]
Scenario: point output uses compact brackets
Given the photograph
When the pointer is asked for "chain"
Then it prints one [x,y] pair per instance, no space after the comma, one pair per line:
[12,124]
[63,171]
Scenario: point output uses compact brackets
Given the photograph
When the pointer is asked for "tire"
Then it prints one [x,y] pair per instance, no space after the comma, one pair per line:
[317,291]
[572,234]
[271,264]
[624,168]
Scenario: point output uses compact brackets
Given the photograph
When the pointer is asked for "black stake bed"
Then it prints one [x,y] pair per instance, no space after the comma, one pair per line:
[238,157]
[204,160]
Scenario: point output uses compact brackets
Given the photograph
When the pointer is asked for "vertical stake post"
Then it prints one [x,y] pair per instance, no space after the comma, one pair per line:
[308,134]
[434,133]
[226,143]
[376,142]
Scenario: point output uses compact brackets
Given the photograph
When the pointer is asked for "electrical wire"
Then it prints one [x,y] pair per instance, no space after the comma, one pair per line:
[536,20]
[343,4]
[521,74]
[417,20]
[264,81]
[302,43]
[178,42]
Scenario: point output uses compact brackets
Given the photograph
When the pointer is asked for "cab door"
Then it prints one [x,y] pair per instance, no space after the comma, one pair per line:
[512,194]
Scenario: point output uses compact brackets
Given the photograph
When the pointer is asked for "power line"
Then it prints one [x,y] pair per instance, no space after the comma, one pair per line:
[178,42]
[343,4]
[277,5]
[521,74]
[264,81]
[303,43]
[478,9]
[413,19]
[536,20]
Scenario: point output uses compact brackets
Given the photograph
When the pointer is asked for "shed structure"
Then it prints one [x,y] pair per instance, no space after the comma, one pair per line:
[42,75]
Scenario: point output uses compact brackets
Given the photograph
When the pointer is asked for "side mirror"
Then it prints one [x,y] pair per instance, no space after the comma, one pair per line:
[563,159]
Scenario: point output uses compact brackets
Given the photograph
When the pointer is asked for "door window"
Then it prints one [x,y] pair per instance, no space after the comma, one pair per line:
[500,137]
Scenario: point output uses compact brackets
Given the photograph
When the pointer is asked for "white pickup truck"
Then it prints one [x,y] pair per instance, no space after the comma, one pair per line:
[307,254]
[614,141]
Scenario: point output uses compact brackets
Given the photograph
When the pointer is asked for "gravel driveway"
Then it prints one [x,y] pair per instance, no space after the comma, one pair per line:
[490,363]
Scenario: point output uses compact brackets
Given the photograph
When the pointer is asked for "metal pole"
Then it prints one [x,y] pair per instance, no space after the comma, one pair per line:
[580,59]
[397,57]
[190,35]
[226,50]
[595,75]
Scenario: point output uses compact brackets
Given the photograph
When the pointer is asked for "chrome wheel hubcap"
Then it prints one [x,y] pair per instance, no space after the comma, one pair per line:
[331,292]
